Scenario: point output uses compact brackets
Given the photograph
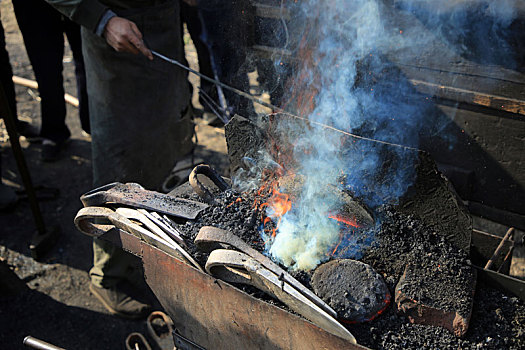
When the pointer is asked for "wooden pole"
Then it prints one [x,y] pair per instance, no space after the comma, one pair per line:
[499,248]
[10,125]
[72,100]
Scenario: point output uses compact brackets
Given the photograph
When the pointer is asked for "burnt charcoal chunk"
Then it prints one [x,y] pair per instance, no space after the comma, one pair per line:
[433,201]
[352,288]
[244,139]
[437,295]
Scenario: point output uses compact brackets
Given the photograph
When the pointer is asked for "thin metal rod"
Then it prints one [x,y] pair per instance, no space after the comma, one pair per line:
[209,98]
[273,107]
[10,125]
[216,82]
[212,105]
[36,343]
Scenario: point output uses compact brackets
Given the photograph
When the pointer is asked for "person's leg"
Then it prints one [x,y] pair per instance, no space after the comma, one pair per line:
[190,15]
[72,31]
[41,29]
[223,28]
[110,264]
[6,76]
[6,73]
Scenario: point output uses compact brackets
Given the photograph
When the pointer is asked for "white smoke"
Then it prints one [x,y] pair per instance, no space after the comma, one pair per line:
[350,35]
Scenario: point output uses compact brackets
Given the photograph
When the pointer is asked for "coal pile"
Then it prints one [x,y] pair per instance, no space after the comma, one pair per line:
[230,212]
[498,319]
[403,241]
[498,322]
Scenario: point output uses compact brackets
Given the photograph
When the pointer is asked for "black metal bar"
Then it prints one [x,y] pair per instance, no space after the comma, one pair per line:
[10,125]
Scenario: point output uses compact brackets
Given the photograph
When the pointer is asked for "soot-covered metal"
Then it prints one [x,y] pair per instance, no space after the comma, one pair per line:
[497,319]
[420,250]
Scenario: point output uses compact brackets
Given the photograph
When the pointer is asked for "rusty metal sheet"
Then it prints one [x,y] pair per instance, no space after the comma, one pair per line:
[216,315]
[483,246]
[509,284]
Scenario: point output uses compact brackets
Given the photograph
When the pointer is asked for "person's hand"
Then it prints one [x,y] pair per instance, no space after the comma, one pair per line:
[124,36]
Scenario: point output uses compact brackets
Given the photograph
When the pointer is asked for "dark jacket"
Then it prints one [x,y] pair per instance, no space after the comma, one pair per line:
[88,12]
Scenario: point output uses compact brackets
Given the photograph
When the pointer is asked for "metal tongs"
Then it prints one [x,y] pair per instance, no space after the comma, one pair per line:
[248,266]
[164,237]
[134,195]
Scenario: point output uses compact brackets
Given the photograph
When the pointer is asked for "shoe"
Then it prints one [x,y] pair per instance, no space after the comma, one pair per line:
[29,131]
[8,197]
[51,150]
[119,303]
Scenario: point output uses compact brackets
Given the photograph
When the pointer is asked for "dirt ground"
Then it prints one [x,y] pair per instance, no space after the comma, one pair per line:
[58,306]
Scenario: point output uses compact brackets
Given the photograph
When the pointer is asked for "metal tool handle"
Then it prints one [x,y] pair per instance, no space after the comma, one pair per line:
[231,266]
[237,267]
[499,248]
[10,123]
[164,340]
[97,195]
[200,188]
[210,238]
[134,195]
[86,217]
[121,220]
[136,341]
[35,343]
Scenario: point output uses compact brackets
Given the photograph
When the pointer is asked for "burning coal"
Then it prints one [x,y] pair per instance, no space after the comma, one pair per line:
[348,77]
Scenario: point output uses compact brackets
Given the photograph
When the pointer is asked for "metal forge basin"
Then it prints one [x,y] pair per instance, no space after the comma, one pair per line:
[216,315]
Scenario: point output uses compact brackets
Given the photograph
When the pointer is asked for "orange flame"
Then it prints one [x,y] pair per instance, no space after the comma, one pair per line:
[280,204]
[346,221]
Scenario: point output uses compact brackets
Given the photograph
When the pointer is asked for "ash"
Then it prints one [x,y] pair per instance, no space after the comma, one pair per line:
[403,241]
[498,319]
[498,322]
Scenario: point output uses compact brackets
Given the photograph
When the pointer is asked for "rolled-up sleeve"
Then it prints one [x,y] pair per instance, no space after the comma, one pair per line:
[103,21]
[87,13]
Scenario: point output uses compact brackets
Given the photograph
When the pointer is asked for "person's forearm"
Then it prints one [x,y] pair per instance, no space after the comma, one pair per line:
[84,12]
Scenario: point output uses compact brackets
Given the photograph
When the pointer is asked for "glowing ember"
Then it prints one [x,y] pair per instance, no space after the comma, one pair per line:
[344,220]
[338,243]
[238,200]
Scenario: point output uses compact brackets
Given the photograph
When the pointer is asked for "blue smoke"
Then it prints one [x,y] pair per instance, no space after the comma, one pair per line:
[354,49]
